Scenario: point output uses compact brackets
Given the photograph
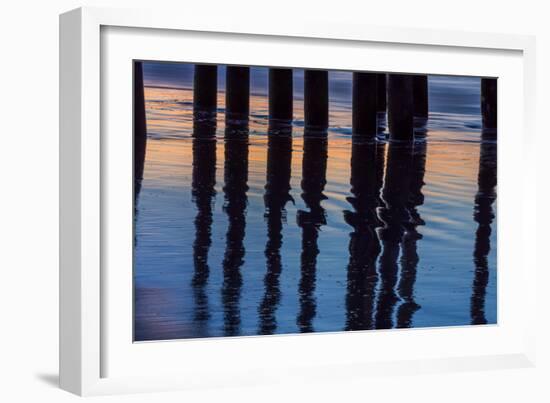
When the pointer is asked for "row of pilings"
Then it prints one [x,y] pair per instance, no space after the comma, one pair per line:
[404,97]
[376,236]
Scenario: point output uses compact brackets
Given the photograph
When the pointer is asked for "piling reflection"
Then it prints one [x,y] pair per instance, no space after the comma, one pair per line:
[140,128]
[277,195]
[409,255]
[203,195]
[314,166]
[235,188]
[484,216]
[204,170]
[364,246]
[394,215]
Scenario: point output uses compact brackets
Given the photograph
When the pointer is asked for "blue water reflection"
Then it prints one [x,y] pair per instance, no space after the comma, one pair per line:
[270,231]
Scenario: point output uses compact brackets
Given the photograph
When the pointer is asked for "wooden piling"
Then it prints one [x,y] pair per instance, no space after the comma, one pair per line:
[280,95]
[237,93]
[401,107]
[204,129]
[364,115]
[140,125]
[316,100]
[205,94]
[205,90]
[489,102]
[381,103]
[420,91]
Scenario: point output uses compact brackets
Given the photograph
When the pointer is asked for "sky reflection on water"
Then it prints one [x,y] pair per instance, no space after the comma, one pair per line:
[278,235]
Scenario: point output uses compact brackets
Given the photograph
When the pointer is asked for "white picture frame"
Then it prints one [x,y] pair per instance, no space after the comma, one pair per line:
[96,356]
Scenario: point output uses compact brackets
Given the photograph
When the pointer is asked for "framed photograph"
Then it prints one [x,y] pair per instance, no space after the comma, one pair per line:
[244,202]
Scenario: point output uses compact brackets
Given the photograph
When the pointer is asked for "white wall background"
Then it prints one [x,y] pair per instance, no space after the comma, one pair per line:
[29,198]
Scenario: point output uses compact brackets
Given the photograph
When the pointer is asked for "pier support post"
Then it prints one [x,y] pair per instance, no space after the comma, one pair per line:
[489,102]
[420,90]
[381,103]
[140,124]
[316,100]
[237,94]
[400,107]
[364,118]
[205,90]
[280,96]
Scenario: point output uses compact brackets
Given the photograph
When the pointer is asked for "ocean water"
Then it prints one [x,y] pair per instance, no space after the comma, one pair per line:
[290,235]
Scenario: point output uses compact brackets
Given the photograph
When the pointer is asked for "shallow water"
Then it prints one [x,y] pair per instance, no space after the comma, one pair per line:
[287,235]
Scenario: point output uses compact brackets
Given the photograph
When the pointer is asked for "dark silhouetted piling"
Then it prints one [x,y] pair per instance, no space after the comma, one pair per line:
[205,90]
[401,107]
[140,126]
[205,93]
[420,91]
[237,130]
[237,94]
[204,129]
[489,102]
[237,102]
[280,96]
[381,103]
[316,100]
[364,118]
